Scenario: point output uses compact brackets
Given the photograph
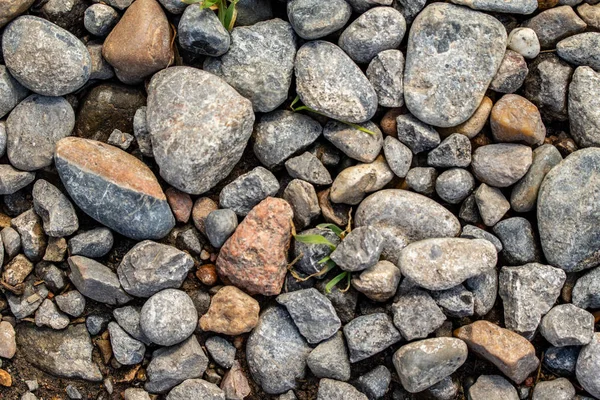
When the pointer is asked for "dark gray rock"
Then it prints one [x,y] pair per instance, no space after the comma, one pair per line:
[276,341]
[96,281]
[250,12]
[557,389]
[437,92]
[376,30]
[454,185]
[330,389]
[456,302]
[55,209]
[312,313]
[150,267]
[93,243]
[128,318]
[248,190]
[174,6]
[511,6]
[172,365]
[484,288]
[375,383]
[330,359]
[492,387]
[72,303]
[328,81]
[588,363]
[409,8]
[3,138]
[360,6]
[311,254]
[528,292]
[422,180]
[511,74]
[34,127]
[280,134]
[308,168]
[547,85]
[416,314]
[140,131]
[555,24]
[127,351]
[524,194]
[562,360]
[100,68]
[491,204]
[426,362]
[403,217]
[221,141]
[586,293]
[473,232]
[48,315]
[219,225]
[33,239]
[313,19]
[196,389]
[446,389]
[370,334]
[567,325]
[343,302]
[120,139]
[24,305]
[44,57]
[13,180]
[96,323]
[359,250]
[354,143]
[379,282]
[11,92]
[385,72]
[439,264]
[417,135]
[501,165]
[66,353]
[73,393]
[259,63]
[221,350]
[99,19]
[353,183]
[168,317]
[518,241]
[397,155]
[584,118]
[302,197]
[569,229]
[454,151]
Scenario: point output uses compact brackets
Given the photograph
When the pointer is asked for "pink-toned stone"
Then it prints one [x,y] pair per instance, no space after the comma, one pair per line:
[181,204]
[254,258]
[202,208]
[235,384]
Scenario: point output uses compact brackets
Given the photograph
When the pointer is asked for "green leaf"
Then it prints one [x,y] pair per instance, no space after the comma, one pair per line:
[192,2]
[297,99]
[314,239]
[336,229]
[360,128]
[324,260]
[230,16]
[208,3]
[335,281]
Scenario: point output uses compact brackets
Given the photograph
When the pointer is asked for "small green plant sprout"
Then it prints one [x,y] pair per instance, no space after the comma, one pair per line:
[307,108]
[225,9]
[329,264]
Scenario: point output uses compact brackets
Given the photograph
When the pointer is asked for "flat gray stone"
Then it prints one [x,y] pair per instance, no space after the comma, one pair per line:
[385,72]
[397,155]
[96,281]
[219,226]
[588,364]
[330,389]
[313,19]
[48,315]
[330,359]
[353,183]
[11,92]
[359,250]
[72,303]
[416,314]
[375,383]
[259,63]
[184,126]
[584,117]
[309,168]
[442,37]
[501,165]
[370,334]
[518,241]
[456,302]
[454,151]
[567,325]
[248,190]
[555,24]
[196,389]
[510,6]
[44,57]
[200,32]
[24,305]
[13,180]
[354,143]
[415,134]
[220,350]
[484,288]
[557,389]
[94,243]
[55,209]
[454,185]
[492,387]
[328,81]
[33,239]
[127,351]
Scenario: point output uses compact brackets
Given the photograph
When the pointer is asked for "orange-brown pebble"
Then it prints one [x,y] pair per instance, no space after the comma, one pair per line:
[207,274]
[231,312]
[181,204]
[471,127]
[202,208]
[388,122]
[5,378]
[516,119]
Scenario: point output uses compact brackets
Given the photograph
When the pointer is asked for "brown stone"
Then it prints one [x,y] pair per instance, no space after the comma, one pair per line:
[4,220]
[202,208]
[254,258]
[207,274]
[105,350]
[8,343]
[181,204]
[471,127]
[17,270]
[56,250]
[10,9]
[140,44]
[108,107]
[388,122]
[5,378]
[516,119]
[510,352]
[334,213]
[546,4]
[231,312]
[235,384]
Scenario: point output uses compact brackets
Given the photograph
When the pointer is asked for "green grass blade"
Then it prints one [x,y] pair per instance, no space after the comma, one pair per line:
[336,229]
[314,239]
[335,281]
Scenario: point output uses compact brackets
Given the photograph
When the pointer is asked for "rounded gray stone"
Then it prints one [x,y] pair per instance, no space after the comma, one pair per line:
[586,292]
[55,209]
[261,73]
[484,288]
[501,165]
[99,19]
[385,72]
[128,318]
[127,351]
[221,350]
[302,197]
[397,155]
[379,282]
[201,32]
[422,180]
[376,30]
[511,73]
[248,190]
[567,325]
[356,144]
[370,334]
[174,6]
[518,241]
[168,317]
[308,168]
[34,127]
[250,12]
[588,364]
[581,49]
[500,6]
[454,185]
[93,243]
[13,180]
[442,37]
[328,81]
[313,19]
[199,135]
[330,389]
[48,315]
[557,389]
[11,92]
[219,226]
[72,303]
[490,203]
[196,389]
[584,103]
[359,250]
[456,302]
[44,57]
[416,314]
[417,135]
[351,185]
[492,387]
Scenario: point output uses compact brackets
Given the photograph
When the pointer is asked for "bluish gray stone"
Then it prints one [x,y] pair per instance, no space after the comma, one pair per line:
[454,151]
[250,12]
[96,323]
[330,359]
[586,293]
[422,180]
[93,243]
[313,19]
[99,19]
[248,190]
[484,288]
[567,325]
[356,144]
[416,314]
[311,254]
[128,318]
[96,281]
[55,209]
[375,383]
[127,351]
[518,241]
[385,72]
[370,334]
[397,155]
[584,118]
[308,168]
[456,302]
[588,364]
[359,250]
[417,135]
[174,6]
[454,185]
[11,92]
[220,225]
[562,360]
[55,278]
[409,8]
[221,350]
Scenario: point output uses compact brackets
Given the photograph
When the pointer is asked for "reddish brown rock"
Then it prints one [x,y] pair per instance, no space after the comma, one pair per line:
[516,119]
[231,312]
[471,127]
[140,44]
[235,384]
[510,352]
[254,258]
[5,378]
[207,274]
[181,204]
[202,208]
[388,122]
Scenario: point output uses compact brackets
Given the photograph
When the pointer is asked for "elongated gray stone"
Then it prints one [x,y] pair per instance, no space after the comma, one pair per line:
[588,364]
[510,6]
[442,37]
[386,72]
[581,49]
[584,103]
[96,281]
[11,92]
[13,180]
[313,19]
[361,146]
[127,351]
[55,209]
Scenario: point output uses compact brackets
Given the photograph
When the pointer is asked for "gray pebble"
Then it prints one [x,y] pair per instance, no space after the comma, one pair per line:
[562,361]
[557,389]
[416,314]
[330,359]
[555,24]
[492,387]
[360,6]
[196,389]
[409,8]
[584,117]
[55,209]
[422,180]
[484,289]
[437,92]
[359,250]
[330,389]
[262,74]
[221,351]
[11,92]
[220,225]
[370,334]
[375,383]
[99,19]
[474,232]
[376,30]
[96,281]
[328,81]
[119,4]
[518,241]
[353,183]
[302,197]
[456,302]
[96,323]
[174,6]
[356,144]
[127,351]
[454,185]
[94,243]
[248,190]
[308,168]
[33,239]
[3,138]
[528,292]
[34,127]
[454,151]
[32,385]
[311,254]
[397,155]
[588,364]
[250,12]
[120,139]
[135,394]
[491,204]
[511,74]
[24,305]
[48,315]
[586,293]
[72,303]
[418,136]
[313,19]
[13,180]
[168,317]
[201,32]
[567,325]
[100,69]
[128,318]
[385,72]
[501,165]
[379,282]
[73,393]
